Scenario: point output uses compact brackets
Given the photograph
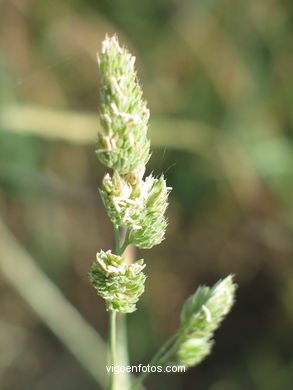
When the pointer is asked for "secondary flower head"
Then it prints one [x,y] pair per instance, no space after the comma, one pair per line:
[122,142]
[152,219]
[201,315]
[122,200]
[119,283]
[137,204]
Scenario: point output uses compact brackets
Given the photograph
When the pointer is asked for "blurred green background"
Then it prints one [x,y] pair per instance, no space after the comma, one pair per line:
[217,75]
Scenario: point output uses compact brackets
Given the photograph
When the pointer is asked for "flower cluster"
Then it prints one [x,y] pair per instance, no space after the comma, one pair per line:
[119,283]
[152,222]
[122,144]
[140,207]
[138,204]
[201,315]
[131,201]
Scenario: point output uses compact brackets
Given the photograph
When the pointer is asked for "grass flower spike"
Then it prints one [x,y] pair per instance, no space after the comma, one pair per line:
[152,222]
[140,207]
[123,144]
[201,315]
[136,206]
[119,283]
[122,201]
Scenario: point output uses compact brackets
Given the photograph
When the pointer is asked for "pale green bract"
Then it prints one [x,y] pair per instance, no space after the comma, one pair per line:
[119,283]
[122,142]
[201,315]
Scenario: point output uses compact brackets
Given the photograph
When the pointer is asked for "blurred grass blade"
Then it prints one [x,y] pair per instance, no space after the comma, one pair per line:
[43,296]
[82,128]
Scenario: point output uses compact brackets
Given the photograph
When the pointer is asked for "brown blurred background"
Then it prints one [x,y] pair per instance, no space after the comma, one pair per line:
[218,79]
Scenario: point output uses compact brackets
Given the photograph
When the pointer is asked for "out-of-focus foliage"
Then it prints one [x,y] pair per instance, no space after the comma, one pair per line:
[224,70]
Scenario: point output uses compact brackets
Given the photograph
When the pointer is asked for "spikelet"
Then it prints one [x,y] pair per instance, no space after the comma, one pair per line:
[119,283]
[140,207]
[122,142]
[201,315]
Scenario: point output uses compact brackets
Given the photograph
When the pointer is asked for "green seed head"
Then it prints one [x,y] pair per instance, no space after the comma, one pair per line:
[153,223]
[122,143]
[119,283]
[201,315]
[122,200]
[137,204]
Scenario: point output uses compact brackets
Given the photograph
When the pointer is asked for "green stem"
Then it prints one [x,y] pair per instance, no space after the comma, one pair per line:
[118,248]
[178,335]
[125,243]
[117,240]
[123,379]
[113,348]
[157,358]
